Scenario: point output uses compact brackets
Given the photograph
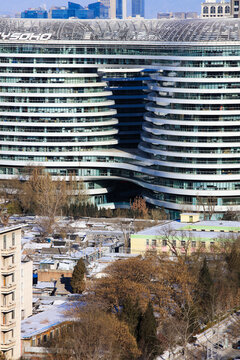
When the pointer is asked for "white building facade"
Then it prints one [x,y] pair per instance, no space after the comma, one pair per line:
[215,9]
[10,325]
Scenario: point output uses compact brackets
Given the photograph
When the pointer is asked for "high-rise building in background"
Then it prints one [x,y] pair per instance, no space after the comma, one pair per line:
[73,10]
[106,3]
[121,9]
[34,14]
[118,9]
[138,8]
[99,10]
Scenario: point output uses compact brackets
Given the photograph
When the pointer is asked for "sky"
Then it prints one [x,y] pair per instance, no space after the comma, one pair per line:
[152,6]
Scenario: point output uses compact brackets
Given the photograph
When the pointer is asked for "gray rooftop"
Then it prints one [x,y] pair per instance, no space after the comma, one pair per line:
[207,229]
[193,30]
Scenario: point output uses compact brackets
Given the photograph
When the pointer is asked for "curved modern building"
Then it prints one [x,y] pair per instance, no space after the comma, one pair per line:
[77,94]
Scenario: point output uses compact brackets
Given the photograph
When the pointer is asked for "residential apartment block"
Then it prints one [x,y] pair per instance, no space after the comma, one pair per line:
[10,304]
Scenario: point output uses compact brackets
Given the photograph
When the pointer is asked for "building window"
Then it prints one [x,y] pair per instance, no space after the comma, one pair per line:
[205,10]
[13,239]
[213,10]
[147,242]
[220,9]
[4,242]
[227,9]
[203,244]
[164,243]
[154,243]
[183,243]
[193,244]
[44,338]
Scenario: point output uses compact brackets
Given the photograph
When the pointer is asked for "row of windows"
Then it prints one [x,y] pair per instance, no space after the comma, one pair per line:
[53,119]
[216,9]
[53,110]
[173,243]
[58,90]
[58,100]
[58,140]
[34,80]
[120,50]
[55,130]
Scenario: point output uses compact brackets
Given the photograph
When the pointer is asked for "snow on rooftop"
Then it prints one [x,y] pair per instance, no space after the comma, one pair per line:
[204,229]
[36,246]
[36,324]
[45,284]
[78,224]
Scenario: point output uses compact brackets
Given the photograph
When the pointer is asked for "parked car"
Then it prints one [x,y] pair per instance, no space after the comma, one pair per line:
[236,358]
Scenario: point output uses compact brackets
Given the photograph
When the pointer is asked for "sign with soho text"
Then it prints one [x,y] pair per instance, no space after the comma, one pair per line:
[24,36]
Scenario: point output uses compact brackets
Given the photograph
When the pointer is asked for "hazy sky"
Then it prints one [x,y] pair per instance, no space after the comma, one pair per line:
[152,6]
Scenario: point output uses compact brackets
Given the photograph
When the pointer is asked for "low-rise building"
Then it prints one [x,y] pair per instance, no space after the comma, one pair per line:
[39,328]
[181,237]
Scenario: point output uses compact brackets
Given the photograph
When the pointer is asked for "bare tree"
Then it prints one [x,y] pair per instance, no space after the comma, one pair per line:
[46,196]
[207,205]
[97,335]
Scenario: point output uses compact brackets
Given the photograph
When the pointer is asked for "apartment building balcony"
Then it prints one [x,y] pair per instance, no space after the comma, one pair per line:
[8,307]
[8,288]
[10,251]
[8,326]
[9,269]
[7,344]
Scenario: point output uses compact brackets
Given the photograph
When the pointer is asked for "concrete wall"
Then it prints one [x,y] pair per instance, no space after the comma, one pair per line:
[53,275]
[26,289]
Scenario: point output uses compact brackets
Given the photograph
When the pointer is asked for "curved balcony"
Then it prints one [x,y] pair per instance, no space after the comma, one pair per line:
[9,251]
[8,326]
[7,270]
[6,289]
[8,307]
[8,344]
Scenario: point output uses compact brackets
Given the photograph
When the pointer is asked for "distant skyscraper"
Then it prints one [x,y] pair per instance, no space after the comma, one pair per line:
[34,14]
[99,10]
[138,8]
[107,4]
[118,9]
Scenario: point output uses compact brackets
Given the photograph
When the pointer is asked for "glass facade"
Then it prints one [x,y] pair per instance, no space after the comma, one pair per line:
[76,106]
